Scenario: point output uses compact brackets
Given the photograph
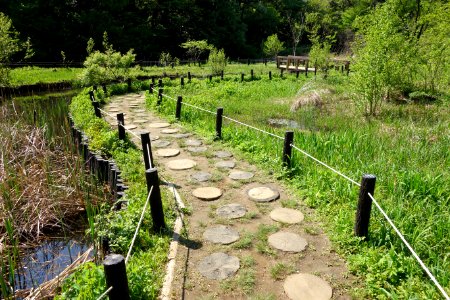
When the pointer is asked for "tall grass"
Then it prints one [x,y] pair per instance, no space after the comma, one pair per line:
[406,147]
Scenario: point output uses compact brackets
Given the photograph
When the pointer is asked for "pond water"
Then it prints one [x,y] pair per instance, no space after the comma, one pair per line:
[38,264]
[289,124]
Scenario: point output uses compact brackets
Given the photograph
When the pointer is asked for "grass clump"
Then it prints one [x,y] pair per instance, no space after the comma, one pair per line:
[281,270]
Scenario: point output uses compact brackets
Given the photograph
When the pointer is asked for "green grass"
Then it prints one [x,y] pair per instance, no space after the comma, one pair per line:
[405,146]
[33,75]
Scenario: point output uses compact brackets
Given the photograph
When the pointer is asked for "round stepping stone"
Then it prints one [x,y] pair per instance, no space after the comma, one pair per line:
[226,164]
[192,142]
[207,193]
[286,215]
[113,110]
[161,144]
[140,110]
[154,137]
[167,152]
[201,176]
[221,234]
[131,126]
[197,149]
[140,121]
[181,164]
[263,194]
[159,125]
[307,286]
[287,241]
[223,154]
[181,135]
[218,266]
[231,211]
[240,175]
[170,131]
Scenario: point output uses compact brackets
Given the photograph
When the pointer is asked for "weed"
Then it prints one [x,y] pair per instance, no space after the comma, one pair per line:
[245,242]
[281,270]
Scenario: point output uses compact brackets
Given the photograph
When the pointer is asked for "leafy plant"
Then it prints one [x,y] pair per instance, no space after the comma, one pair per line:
[217,60]
[272,46]
[196,48]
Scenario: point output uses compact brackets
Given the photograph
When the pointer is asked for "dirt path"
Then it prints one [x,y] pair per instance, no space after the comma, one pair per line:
[246,236]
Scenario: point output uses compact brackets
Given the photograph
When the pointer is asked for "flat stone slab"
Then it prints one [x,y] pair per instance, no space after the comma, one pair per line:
[140,110]
[161,144]
[170,130]
[263,194]
[287,241]
[201,176]
[231,211]
[181,135]
[223,154]
[140,121]
[181,164]
[130,126]
[193,142]
[225,164]
[167,152]
[159,125]
[154,137]
[240,175]
[218,266]
[221,234]
[207,193]
[113,110]
[307,286]
[286,215]
[197,149]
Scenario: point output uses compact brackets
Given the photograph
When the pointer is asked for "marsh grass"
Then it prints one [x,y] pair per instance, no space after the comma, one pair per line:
[405,146]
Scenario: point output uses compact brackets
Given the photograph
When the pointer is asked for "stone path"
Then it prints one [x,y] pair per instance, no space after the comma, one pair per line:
[247,236]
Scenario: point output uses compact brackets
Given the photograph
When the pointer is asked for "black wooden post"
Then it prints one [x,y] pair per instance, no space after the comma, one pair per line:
[306,68]
[210,78]
[104,88]
[129,84]
[219,115]
[315,69]
[156,208]
[160,93]
[96,105]
[94,87]
[364,205]
[178,108]
[153,80]
[116,276]
[189,76]
[251,73]
[182,81]
[287,148]
[242,77]
[151,88]
[270,75]
[248,62]
[160,83]
[221,75]
[91,95]
[281,73]
[297,73]
[147,150]
[121,123]
[34,117]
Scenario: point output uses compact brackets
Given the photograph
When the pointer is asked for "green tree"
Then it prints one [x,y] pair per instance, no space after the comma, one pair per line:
[272,46]
[9,45]
[196,48]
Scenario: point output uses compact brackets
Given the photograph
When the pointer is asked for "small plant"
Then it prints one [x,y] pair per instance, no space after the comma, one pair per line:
[281,270]
[217,61]
[245,242]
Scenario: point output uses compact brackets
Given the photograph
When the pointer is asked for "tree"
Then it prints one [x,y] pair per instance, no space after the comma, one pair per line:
[9,45]
[217,60]
[272,46]
[196,48]
[296,27]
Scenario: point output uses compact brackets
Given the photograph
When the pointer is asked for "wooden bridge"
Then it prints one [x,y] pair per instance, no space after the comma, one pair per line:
[302,64]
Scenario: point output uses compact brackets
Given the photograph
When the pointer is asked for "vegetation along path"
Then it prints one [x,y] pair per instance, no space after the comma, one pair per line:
[244,234]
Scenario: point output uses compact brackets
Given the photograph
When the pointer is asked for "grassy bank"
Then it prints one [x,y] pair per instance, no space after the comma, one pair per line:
[405,146]
[34,75]
[145,269]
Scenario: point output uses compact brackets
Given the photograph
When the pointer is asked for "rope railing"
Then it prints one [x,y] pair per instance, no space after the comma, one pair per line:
[190,105]
[138,225]
[400,235]
[102,296]
[113,117]
[252,127]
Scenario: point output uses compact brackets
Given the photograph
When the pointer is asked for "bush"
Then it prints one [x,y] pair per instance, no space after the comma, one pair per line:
[217,60]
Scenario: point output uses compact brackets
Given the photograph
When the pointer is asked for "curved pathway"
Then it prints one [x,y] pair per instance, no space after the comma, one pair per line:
[247,237]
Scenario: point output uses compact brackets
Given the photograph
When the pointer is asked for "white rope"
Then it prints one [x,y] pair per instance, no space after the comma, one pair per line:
[105,293]
[129,130]
[199,108]
[138,226]
[424,267]
[167,96]
[252,127]
[325,165]
[109,115]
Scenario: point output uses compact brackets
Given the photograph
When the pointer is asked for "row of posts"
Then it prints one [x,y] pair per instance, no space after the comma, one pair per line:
[114,264]
[361,228]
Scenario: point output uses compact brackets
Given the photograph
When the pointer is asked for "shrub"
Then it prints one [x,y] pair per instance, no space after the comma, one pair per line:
[217,60]
[272,46]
